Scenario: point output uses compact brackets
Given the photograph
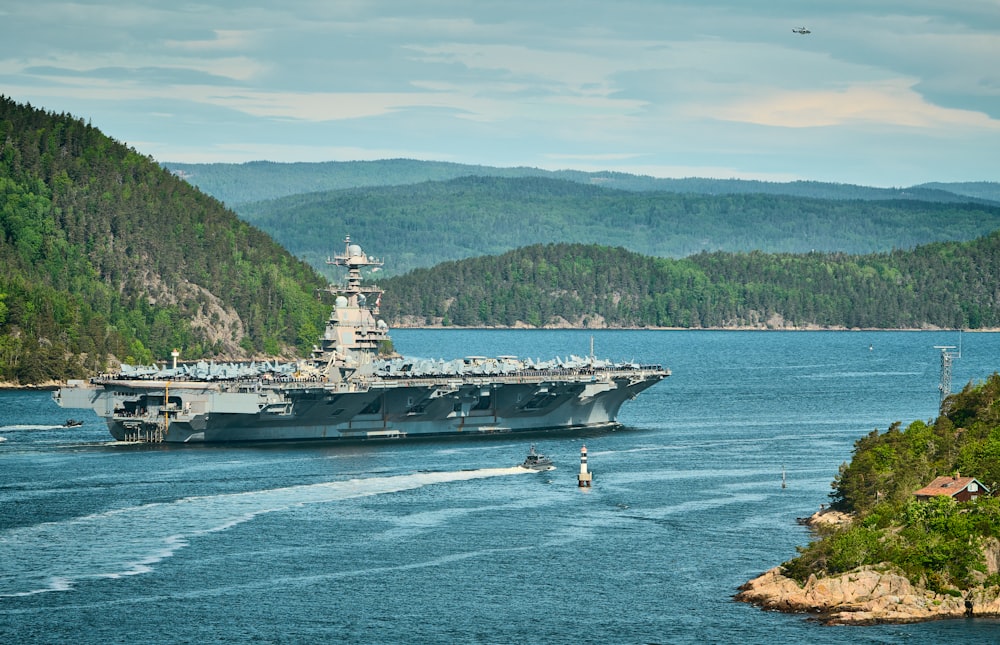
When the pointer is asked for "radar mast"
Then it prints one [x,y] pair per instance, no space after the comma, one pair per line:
[353,331]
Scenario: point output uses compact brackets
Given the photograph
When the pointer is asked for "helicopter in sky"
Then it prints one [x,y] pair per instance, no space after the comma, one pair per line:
[801,30]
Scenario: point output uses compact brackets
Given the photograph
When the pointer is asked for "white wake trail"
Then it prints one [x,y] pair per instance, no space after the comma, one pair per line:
[53,556]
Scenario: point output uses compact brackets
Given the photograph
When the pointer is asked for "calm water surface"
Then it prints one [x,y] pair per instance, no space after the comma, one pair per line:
[444,542]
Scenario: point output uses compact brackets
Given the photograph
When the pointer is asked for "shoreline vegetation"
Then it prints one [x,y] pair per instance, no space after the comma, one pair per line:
[868,595]
[880,553]
[805,328]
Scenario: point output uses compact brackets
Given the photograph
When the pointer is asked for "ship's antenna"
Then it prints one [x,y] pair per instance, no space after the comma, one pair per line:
[591,347]
[947,356]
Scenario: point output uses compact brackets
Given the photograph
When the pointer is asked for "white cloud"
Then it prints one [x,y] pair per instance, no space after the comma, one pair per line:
[319,106]
[888,103]
[664,87]
[223,40]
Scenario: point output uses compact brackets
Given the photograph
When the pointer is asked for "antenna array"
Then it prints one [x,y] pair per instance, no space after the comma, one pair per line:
[947,356]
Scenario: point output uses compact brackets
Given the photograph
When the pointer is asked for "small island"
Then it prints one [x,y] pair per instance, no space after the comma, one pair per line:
[913,530]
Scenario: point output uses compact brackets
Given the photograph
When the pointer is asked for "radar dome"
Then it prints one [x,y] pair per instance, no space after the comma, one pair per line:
[341,302]
[354,250]
[381,324]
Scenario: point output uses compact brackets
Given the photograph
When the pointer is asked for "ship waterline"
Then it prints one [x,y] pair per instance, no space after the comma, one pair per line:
[193,411]
[346,390]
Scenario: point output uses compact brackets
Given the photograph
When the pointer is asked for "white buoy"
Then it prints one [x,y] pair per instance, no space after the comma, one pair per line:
[583,479]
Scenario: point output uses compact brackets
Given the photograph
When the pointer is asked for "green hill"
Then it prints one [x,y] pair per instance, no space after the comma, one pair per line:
[985,190]
[107,255]
[419,225]
[942,285]
[940,542]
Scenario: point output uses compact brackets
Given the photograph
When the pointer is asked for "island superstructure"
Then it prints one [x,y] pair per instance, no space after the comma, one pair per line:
[353,387]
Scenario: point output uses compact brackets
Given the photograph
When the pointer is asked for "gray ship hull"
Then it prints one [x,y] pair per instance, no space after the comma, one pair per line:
[354,388]
[194,411]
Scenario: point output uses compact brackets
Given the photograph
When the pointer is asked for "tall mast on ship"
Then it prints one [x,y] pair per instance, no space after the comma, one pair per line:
[354,259]
[353,327]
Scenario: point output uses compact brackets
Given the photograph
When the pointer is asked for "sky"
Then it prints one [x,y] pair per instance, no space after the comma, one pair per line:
[880,93]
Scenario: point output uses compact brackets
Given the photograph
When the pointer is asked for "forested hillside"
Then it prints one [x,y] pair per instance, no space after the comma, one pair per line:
[943,285]
[254,181]
[420,225]
[939,542]
[985,190]
[106,254]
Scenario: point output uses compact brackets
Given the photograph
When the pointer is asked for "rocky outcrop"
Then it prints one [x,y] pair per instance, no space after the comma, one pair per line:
[826,517]
[865,596]
[44,385]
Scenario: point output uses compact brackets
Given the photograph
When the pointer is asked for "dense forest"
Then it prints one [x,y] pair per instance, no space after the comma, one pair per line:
[938,541]
[423,224]
[108,255]
[254,181]
[945,285]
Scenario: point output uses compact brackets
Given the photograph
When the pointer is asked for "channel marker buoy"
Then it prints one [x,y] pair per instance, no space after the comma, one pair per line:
[583,479]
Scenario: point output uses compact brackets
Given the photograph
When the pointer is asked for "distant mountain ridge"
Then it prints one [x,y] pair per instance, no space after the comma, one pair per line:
[419,225]
[236,184]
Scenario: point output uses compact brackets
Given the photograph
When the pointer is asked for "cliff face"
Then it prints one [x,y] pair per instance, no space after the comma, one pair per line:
[863,597]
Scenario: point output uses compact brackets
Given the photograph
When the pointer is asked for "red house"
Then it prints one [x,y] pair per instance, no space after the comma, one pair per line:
[962,489]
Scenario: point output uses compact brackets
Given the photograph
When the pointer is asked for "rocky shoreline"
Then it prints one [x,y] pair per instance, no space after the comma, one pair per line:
[775,323]
[865,596]
[868,595]
[46,386]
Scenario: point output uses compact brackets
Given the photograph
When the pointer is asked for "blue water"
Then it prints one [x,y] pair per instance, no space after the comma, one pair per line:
[444,542]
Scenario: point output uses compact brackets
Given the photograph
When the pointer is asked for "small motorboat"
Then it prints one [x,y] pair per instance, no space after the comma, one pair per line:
[72,423]
[535,461]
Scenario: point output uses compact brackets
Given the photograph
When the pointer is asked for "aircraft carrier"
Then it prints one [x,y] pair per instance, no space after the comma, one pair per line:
[349,389]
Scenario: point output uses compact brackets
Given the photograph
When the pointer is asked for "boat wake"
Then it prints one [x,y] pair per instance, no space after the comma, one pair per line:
[28,427]
[54,556]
